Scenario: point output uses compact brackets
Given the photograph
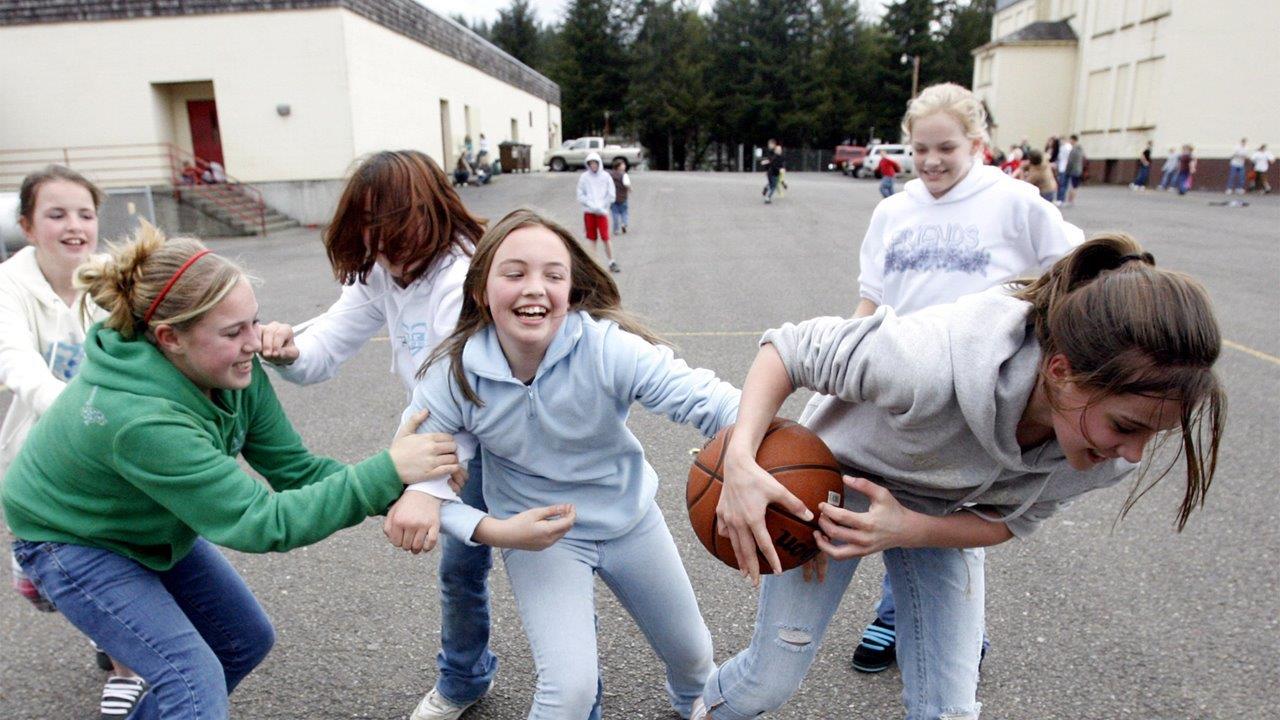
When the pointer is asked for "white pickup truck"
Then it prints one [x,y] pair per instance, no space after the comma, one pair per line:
[573,153]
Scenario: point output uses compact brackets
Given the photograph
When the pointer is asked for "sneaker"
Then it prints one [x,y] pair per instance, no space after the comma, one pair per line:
[120,696]
[624,229]
[613,267]
[767,201]
[434,706]
[877,650]
[986,645]
[699,709]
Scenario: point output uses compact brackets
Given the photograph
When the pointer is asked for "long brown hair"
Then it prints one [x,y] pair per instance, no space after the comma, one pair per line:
[591,288]
[398,203]
[126,282]
[1128,327]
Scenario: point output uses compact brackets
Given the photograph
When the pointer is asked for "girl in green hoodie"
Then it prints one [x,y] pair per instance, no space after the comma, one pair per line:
[130,477]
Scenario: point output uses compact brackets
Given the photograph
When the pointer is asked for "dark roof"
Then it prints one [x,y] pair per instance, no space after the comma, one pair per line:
[405,17]
[1040,32]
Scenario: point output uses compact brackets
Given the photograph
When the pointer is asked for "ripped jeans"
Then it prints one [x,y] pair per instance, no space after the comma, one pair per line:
[939,594]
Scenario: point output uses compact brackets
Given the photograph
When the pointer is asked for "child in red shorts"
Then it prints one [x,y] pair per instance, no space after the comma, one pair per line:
[596,194]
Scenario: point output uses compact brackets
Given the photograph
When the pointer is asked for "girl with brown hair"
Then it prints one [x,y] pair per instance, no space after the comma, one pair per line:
[543,370]
[962,426]
[400,243]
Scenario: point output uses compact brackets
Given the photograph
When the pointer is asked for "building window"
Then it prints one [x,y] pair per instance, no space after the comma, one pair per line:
[1105,16]
[1118,96]
[984,70]
[1095,100]
[530,118]
[1146,87]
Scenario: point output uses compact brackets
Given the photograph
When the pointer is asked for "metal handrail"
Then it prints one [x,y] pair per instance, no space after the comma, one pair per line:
[163,166]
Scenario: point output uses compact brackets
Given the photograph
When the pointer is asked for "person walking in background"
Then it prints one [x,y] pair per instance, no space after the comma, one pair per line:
[1261,159]
[1186,169]
[1069,185]
[621,191]
[1144,169]
[1235,169]
[1169,172]
[772,167]
[595,195]
[888,170]
[1060,162]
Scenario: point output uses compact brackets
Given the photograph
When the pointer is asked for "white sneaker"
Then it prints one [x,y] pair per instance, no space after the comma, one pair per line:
[434,706]
[699,709]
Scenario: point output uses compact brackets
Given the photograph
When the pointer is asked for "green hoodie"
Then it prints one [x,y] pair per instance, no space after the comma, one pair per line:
[132,457]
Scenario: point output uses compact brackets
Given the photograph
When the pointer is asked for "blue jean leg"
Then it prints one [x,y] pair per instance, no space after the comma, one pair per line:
[1166,178]
[1235,177]
[1064,184]
[466,664]
[884,608]
[554,591]
[193,632]
[621,215]
[886,186]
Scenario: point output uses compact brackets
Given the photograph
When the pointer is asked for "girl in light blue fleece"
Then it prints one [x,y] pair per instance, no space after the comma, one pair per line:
[542,370]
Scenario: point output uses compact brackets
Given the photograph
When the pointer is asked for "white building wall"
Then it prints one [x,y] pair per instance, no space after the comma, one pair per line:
[1030,92]
[396,86]
[102,92]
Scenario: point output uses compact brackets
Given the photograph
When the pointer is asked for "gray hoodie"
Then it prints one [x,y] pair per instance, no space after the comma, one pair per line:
[930,403]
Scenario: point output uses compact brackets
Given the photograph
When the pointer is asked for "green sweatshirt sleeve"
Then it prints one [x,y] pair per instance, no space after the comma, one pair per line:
[273,447]
[174,462]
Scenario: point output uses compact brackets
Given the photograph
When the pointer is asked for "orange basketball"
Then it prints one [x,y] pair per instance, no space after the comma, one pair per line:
[799,460]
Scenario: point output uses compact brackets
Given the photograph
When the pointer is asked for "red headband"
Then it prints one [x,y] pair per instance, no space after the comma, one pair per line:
[146,317]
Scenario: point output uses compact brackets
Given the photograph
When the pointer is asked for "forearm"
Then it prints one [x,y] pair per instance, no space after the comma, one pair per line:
[956,530]
[766,387]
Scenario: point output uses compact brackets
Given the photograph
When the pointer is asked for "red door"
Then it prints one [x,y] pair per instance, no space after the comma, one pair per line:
[205,139]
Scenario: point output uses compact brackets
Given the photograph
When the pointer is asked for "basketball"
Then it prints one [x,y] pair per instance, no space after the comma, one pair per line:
[799,460]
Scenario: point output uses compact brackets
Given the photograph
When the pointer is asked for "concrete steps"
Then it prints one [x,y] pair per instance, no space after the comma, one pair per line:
[232,206]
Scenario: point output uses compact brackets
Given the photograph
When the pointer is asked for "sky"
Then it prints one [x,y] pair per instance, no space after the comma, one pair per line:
[548,11]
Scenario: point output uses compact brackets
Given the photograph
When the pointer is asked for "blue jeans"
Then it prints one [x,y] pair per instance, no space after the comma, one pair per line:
[621,217]
[1064,184]
[554,591]
[939,628]
[772,185]
[1144,172]
[886,186]
[1184,178]
[886,610]
[1166,177]
[466,664]
[1235,177]
[193,632]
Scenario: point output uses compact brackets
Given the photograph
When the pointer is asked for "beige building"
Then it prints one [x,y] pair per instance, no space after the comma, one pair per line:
[1121,72]
[284,99]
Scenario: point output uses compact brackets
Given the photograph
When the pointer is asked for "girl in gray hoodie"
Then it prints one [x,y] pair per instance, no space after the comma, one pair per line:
[961,426]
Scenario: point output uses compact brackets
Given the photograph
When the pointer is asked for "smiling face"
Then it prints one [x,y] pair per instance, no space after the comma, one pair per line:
[1093,429]
[63,227]
[943,154]
[527,293]
[217,351]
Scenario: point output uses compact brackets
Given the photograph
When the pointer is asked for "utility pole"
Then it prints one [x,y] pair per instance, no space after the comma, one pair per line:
[915,75]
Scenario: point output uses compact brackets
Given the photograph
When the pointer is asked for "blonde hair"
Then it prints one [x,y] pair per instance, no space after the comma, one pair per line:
[954,100]
[126,281]
[591,288]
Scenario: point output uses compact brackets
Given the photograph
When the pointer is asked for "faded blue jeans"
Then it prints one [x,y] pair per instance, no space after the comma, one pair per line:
[193,632]
[466,664]
[554,591]
[939,593]
[621,216]
[1235,178]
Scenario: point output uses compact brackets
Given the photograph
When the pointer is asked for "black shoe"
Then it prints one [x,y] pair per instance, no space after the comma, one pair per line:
[613,267]
[877,650]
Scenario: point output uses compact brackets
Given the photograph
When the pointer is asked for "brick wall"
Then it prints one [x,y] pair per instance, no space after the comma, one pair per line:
[403,16]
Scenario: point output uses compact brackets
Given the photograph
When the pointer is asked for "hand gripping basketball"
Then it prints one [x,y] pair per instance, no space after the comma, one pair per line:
[799,461]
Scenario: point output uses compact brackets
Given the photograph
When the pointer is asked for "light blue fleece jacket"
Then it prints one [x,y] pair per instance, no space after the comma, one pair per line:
[563,438]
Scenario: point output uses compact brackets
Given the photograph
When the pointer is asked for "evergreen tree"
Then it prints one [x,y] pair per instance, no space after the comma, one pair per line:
[590,64]
[965,27]
[669,104]
[517,32]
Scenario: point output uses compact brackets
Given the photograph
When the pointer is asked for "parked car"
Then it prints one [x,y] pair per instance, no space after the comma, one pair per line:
[847,158]
[901,154]
[573,153]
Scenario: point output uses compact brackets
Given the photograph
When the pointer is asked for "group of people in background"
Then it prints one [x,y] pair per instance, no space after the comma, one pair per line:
[968,400]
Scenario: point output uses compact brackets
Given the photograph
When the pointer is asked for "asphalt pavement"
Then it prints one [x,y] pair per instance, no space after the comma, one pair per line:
[1092,618]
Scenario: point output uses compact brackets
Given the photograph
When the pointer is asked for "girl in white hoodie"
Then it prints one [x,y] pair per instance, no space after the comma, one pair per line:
[400,243]
[43,320]
[963,425]
[595,194]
